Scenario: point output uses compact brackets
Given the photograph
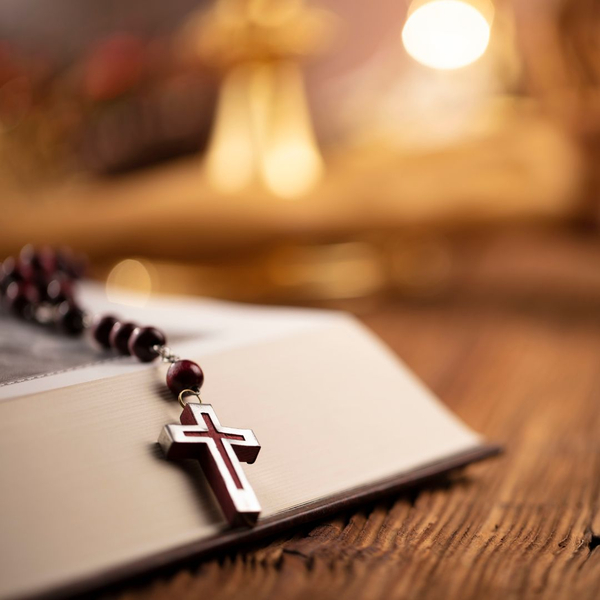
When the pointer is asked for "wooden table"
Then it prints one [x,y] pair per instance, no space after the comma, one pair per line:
[523,368]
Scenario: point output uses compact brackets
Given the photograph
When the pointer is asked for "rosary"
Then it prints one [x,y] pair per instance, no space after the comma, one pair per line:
[39,287]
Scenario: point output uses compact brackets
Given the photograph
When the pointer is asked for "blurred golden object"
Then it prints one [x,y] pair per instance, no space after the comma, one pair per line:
[447,34]
[241,31]
[263,131]
[131,274]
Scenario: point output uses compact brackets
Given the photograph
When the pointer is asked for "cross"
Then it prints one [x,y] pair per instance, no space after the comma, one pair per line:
[219,450]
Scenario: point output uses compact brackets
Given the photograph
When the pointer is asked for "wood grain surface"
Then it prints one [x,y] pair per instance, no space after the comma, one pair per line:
[523,369]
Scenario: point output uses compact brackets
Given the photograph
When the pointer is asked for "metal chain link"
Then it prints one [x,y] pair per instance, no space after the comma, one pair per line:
[165,353]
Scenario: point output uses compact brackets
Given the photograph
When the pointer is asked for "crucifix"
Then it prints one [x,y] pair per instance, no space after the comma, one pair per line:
[219,450]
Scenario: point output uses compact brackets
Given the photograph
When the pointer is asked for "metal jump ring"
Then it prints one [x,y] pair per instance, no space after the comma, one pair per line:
[165,353]
[181,397]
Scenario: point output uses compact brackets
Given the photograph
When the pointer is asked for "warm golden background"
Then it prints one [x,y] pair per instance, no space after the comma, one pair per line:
[290,151]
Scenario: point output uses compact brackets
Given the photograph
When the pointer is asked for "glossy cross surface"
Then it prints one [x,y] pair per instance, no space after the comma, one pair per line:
[219,450]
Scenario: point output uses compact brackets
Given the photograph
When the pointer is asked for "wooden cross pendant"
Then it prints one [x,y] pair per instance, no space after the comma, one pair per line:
[219,450]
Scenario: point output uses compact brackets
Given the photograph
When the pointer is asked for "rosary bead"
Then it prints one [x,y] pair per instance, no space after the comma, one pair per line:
[30,258]
[41,285]
[70,318]
[10,268]
[59,290]
[101,329]
[21,298]
[142,341]
[47,258]
[184,375]
[16,270]
[119,336]
[41,261]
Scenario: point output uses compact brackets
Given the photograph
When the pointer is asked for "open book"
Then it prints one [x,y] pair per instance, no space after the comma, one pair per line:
[86,495]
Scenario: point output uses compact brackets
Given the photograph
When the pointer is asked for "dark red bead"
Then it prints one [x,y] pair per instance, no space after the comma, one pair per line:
[70,319]
[21,298]
[119,336]
[58,290]
[16,270]
[142,341]
[40,282]
[10,268]
[101,329]
[30,258]
[184,375]
[47,258]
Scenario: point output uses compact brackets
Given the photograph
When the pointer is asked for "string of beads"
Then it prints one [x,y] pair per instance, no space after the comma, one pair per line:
[39,286]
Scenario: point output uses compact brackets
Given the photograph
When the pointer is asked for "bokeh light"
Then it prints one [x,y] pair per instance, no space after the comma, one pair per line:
[446,34]
[129,276]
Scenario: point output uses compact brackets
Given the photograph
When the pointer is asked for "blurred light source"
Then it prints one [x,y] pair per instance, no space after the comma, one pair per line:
[447,34]
[130,276]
